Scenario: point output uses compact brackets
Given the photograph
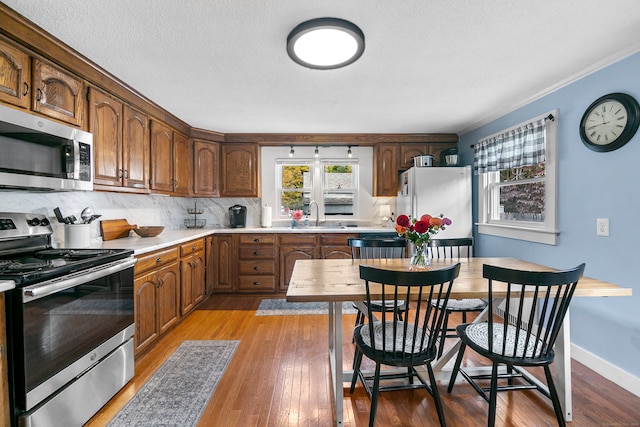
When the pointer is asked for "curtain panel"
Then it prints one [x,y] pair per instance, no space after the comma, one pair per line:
[523,145]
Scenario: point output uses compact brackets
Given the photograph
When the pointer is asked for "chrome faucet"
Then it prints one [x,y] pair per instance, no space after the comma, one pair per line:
[313,202]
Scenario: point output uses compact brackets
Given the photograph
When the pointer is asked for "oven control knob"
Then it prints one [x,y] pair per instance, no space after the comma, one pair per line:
[33,222]
[44,222]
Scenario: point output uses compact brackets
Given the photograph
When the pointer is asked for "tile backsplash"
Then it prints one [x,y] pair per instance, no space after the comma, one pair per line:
[137,209]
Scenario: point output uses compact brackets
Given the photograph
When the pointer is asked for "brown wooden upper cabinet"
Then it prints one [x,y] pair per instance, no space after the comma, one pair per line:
[385,171]
[161,157]
[182,165]
[408,152]
[206,168]
[120,143]
[15,78]
[240,170]
[57,93]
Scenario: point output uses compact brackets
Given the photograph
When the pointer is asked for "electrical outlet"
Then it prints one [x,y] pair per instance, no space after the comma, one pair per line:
[602,225]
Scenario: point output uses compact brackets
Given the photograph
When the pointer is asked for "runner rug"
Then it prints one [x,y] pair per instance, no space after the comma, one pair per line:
[178,392]
[280,307]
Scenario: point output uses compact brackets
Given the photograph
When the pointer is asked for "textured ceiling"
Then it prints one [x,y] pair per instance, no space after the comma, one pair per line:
[428,65]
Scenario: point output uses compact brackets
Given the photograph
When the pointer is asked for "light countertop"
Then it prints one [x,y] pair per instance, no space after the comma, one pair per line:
[7,285]
[168,238]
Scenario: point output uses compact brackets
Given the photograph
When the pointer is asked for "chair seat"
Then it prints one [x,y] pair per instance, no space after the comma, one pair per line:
[468,304]
[477,336]
[397,344]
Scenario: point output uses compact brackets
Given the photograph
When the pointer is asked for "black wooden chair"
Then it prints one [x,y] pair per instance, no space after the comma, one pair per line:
[455,248]
[523,335]
[403,343]
[377,248]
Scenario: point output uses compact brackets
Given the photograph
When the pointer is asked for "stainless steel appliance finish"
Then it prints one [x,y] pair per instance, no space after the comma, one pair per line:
[423,161]
[70,324]
[38,153]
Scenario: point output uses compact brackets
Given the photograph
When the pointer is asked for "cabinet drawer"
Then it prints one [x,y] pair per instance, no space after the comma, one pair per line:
[336,239]
[256,283]
[298,239]
[257,267]
[156,259]
[257,252]
[257,239]
[191,247]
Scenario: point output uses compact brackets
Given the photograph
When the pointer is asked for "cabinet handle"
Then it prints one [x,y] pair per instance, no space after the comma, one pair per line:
[256,268]
[126,174]
[158,260]
[119,173]
[256,253]
[40,95]
[256,240]
[193,248]
[26,88]
[256,283]
[160,283]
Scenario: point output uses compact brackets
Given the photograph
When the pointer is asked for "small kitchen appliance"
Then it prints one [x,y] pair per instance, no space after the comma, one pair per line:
[70,323]
[237,216]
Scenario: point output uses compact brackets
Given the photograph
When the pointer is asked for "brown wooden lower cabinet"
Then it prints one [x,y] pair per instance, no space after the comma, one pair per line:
[192,266]
[256,266]
[220,263]
[156,296]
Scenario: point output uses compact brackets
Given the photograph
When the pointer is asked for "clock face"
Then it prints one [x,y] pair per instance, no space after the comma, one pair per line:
[610,122]
[605,122]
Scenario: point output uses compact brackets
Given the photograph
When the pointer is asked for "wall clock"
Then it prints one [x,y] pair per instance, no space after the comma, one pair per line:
[610,122]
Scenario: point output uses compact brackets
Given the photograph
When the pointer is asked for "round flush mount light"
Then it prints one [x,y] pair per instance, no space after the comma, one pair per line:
[325,43]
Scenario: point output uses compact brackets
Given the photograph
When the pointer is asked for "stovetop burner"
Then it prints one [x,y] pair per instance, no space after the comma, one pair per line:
[71,253]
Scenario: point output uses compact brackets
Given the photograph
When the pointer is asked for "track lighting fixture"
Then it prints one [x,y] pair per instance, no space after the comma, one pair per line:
[316,153]
[291,152]
[349,153]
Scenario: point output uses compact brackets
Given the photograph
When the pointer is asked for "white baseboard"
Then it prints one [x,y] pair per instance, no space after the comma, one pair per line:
[602,367]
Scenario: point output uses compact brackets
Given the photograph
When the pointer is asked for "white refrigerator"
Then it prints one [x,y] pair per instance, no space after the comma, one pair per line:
[435,191]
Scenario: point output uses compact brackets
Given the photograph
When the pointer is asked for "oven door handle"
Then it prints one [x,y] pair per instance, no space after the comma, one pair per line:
[50,287]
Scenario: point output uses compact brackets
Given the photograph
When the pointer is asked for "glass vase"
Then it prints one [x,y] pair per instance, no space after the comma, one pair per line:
[294,223]
[420,261]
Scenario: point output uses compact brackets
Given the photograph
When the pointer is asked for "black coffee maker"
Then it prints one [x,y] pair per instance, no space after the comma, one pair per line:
[237,216]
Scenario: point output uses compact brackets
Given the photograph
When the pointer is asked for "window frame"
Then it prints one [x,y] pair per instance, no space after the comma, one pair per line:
[317,189]
[540,232]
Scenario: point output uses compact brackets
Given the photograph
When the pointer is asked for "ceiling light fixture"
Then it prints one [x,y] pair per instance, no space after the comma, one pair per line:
[325,43]
[291,152]
[349,153]
[316,153]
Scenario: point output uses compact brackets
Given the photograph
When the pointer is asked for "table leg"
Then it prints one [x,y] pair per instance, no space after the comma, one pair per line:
[563,368]
[335,357]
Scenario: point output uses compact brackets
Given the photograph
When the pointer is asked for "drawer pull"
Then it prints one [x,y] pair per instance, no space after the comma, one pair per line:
[193,248]
[256,283]
[256,240]
[256,253]
[158,260]
[256,268]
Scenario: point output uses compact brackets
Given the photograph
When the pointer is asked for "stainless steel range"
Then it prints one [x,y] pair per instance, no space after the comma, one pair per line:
[69,324]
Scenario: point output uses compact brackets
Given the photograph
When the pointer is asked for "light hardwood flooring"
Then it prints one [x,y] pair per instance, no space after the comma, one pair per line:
[279,376]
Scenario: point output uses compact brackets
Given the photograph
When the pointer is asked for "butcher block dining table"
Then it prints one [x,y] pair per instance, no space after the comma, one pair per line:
[337,280]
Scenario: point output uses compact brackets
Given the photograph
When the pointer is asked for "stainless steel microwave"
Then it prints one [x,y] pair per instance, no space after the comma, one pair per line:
[37,153]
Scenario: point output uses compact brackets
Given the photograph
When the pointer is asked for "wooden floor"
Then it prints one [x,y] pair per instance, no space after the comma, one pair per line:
[279,376]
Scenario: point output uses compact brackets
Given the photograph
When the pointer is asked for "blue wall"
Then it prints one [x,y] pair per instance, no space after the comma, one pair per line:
[591,185]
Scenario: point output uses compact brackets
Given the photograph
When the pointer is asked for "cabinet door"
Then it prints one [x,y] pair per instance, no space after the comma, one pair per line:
[335,246]
[436,150]
[288,256]
[409,151]
[105,123]
[192,281]
[57,93]
[198,284]
[15,77]
[168,296]
[161,157]
[146,310]
[182,169]
[385,175]
[220,263]
[240,170]
[135,148]
[206,168]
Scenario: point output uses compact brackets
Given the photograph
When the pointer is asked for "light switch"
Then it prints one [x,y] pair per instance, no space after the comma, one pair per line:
[602,225]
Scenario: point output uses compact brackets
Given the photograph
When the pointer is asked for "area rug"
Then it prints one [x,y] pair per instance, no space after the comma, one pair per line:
[280,307]
[178,392]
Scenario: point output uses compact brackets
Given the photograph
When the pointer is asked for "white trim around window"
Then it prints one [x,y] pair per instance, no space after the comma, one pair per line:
[544,232]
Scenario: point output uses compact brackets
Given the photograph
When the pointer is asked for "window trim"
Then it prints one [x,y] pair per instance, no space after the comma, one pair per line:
[545,232]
